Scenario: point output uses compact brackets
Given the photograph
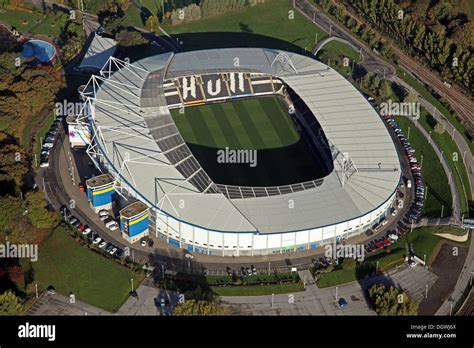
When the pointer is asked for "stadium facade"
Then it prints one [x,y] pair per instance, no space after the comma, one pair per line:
[135,139]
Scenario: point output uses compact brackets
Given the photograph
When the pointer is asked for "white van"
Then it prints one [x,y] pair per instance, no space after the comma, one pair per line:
[409,184]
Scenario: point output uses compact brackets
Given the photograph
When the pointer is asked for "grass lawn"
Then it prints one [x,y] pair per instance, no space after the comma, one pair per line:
[454,158]
[436,181]
[36,23]
[257,290]
[265,25]
[280,155]
[333,54]
[69,267]
[387,259]
[423,242]
[423,91]
[257,123]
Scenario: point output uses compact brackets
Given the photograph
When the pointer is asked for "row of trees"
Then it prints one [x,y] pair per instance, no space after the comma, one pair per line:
[432,30]
[24,92]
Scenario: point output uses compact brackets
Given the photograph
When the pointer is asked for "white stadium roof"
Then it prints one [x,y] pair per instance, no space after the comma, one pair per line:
[130,112]
[98,52]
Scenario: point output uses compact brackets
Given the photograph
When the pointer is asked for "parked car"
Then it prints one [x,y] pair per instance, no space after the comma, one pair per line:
[81,227]
[108,247]
[97,240]
[114,226]
[188,255]
[113,251]
[254,269]
[103,212]
[343,303]
[104,217]
[143,243]
[412,263]
[102,244]
[86,231]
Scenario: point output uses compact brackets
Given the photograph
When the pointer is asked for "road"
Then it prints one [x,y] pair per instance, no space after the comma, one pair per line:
[371,61]
[461,103]
[451,182]
[464,149]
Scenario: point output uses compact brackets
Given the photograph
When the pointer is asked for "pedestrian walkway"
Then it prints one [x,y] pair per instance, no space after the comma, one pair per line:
[58,304]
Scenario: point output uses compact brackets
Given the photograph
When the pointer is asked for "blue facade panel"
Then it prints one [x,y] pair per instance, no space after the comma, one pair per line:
[103,198]
[174,242]
[138,227]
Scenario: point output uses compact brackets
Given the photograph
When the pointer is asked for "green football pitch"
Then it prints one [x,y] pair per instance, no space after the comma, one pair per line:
[253,124]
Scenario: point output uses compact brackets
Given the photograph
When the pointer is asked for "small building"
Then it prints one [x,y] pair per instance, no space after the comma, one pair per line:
[100,192]
[79,133]
[134,221]
[97,54]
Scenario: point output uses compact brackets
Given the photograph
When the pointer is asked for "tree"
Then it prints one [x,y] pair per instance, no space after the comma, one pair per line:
[13,166]
[11,209]
[38,215]
[391,301]
[385,90]
[439,128]
[152,23]
[128,38]
[10,304]
[348,264]
[193,307]
[411,97]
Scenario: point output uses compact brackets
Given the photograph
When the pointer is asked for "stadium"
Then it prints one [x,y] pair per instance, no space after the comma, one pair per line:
[245,151]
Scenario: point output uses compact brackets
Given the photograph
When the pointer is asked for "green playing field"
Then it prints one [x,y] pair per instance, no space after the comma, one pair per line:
[253,124]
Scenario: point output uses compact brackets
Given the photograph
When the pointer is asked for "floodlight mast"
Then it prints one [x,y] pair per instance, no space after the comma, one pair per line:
[285,60]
